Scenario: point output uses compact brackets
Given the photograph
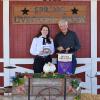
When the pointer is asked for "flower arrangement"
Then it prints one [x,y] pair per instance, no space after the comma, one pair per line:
[75,83]
[18,82]
[74,88]
[20,78]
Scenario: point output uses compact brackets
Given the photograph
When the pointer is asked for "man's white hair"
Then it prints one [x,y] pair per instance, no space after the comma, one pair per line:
[63,21]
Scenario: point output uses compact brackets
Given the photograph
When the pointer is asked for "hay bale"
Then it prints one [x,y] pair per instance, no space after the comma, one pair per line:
[89,97]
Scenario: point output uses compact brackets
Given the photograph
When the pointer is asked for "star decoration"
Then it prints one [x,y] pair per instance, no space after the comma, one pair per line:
[25,11]
[74,11]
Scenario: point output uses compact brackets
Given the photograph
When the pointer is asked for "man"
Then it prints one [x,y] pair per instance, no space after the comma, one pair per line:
[66,41]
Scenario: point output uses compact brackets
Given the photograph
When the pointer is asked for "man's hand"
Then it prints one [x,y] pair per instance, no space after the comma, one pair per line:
[67,49]
[60,48]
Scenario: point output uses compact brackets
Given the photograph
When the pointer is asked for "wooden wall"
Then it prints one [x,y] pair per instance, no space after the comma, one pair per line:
[21,35]
[1,43]
[1,29]
[98,29]
[98,43]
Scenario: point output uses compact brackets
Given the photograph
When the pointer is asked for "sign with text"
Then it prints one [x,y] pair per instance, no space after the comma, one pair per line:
[48,14]
[65,63]
[65,57]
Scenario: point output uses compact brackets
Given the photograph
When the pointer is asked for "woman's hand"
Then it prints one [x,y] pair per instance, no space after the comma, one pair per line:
[41,53]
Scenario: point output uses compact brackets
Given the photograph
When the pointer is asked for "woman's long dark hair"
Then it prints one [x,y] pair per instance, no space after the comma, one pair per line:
[48,35]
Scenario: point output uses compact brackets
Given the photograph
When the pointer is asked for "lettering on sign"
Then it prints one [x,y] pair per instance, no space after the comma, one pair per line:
[39,14]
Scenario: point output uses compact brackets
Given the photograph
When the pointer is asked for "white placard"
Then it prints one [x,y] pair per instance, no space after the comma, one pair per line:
[65,57]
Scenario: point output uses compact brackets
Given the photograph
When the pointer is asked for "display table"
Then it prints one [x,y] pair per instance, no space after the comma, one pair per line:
[49,87]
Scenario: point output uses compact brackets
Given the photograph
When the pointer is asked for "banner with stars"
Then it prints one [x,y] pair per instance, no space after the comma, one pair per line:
[48,14]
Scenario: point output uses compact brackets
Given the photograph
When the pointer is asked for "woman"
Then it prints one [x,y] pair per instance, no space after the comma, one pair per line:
[42,47]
